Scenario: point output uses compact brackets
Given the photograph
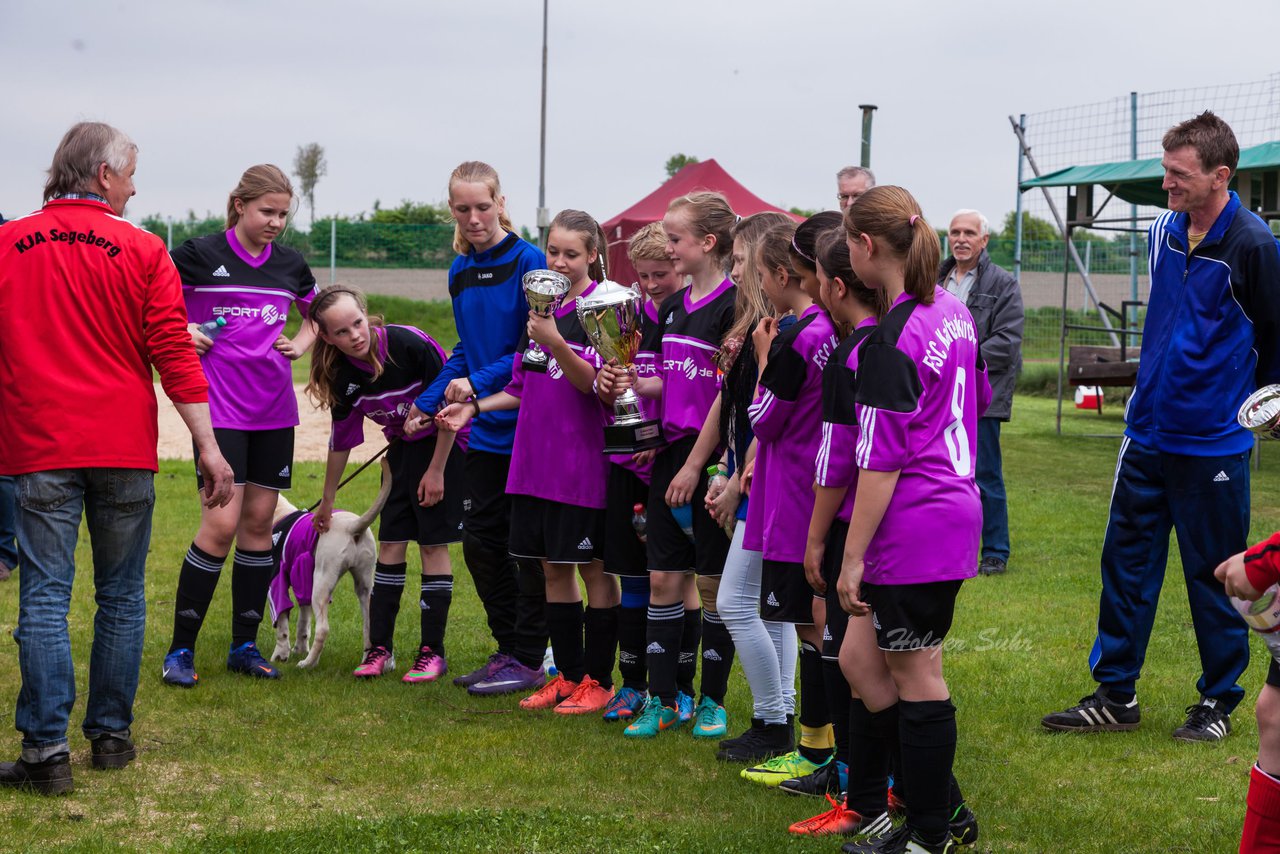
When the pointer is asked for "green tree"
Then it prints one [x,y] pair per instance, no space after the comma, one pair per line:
[310,166]
[412,213]
[676,162]
[1033,228]
[804,212]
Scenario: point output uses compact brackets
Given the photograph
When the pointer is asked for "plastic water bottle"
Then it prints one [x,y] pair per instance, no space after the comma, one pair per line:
[549,665]
[716,476]
[1263,616]
[640,521]
[684,518]
[211,329]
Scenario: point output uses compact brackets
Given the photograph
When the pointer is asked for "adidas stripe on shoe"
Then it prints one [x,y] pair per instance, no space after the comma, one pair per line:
[1205,722]
[1095,713]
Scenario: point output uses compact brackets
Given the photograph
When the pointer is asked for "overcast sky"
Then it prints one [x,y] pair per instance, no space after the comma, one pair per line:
[399,92]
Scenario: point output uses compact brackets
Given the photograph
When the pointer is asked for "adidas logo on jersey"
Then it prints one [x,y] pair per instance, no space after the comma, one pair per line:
[353,388]
[772,601]
[1221,477]
[654,648]
[585,544]
[221,272]
[711,655]
[284,472]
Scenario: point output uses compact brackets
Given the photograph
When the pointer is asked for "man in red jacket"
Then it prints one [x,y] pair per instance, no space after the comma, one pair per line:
[96,303]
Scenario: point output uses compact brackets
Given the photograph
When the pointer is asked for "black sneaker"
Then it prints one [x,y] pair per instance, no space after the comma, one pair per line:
[1205,722]
[992,566]
[730,742]
[109,751]
[901,841]
[963,826]
[1095,713]
[50,777]
[759,743]
[824,781]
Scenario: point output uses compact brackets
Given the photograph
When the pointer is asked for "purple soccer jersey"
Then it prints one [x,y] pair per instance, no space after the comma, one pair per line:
[250,384]
[558,453]
[691,338]
[648,357]
[834,465]
[411,359]
[787,420]
[921,388]
[293,539]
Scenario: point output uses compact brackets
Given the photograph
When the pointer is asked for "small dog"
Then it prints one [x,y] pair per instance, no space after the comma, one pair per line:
[310,566]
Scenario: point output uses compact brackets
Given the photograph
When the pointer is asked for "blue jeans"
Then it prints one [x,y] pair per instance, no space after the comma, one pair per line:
[1205,500]
[117,505]
[990,477]
[8,546]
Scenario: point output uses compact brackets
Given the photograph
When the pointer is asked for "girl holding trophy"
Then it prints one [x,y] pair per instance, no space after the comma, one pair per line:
[558,475]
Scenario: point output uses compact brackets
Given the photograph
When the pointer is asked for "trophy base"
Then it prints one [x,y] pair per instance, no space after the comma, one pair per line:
[534,366]
[633,438]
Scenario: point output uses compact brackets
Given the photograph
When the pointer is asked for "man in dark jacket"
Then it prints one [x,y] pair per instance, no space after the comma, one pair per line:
[995,301]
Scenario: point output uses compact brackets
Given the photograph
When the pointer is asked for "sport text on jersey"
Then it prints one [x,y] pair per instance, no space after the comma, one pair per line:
[269,313]
[953,327]
[688,367]
[37,238]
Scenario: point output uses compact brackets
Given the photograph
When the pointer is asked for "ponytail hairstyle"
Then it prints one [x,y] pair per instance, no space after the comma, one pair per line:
[475,172]
[324,356]
[709,213]
[774,249]
[804,246]
[894,220]
[593,238]
[255,183]
[833,258]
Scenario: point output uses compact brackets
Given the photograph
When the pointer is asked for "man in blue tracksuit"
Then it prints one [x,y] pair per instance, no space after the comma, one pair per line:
[1210,340]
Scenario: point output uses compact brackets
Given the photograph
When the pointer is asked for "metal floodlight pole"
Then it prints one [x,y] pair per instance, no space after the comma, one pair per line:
[867,111]
[544,221]
[1017,211]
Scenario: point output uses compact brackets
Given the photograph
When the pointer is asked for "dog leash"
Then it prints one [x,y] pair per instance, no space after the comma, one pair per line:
[352,476]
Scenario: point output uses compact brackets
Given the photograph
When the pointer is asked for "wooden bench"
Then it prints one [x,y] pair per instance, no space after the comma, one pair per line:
[1101,366]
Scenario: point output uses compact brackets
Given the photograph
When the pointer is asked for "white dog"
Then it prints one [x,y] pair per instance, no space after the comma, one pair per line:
[310,566]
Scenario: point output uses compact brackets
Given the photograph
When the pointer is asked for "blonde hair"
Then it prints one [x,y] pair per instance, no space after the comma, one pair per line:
[750,303]
[709,213]
[648,244]
[893,218]
[475,172]
[85,147]
[255,183]
[325,356]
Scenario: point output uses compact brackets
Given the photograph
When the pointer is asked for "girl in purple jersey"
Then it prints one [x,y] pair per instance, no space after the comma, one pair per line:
[363,369]
[695,322]
[921,385]
[243,276]
[558,476]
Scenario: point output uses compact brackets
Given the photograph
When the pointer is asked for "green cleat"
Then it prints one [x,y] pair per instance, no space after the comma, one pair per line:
[653,719]
[773,771]
[710,720]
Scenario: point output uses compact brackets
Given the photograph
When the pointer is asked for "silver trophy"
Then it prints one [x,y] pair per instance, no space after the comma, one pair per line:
[544,290]
[610,315]
[1261,412]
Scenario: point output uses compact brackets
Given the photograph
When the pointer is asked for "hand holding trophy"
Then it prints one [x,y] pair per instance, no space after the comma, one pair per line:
[610,315]
[544,290]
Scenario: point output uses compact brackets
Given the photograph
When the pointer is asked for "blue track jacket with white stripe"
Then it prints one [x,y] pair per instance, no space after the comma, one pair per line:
[1211,333]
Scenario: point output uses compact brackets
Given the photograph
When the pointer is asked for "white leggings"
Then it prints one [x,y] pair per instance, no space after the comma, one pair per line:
[767,650]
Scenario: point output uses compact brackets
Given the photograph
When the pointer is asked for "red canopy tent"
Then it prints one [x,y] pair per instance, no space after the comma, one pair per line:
[704,175]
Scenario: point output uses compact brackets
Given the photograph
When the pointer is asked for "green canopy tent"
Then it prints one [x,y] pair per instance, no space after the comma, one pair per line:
[1138,181]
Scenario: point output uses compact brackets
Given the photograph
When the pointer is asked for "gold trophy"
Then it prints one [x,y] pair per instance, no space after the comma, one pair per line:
[544,290]
[1261,412]
[611,315]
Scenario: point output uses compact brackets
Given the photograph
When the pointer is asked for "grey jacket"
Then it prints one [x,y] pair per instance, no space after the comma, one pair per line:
[996,305]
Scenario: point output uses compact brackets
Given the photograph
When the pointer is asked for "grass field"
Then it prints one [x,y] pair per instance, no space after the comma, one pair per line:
[319,762]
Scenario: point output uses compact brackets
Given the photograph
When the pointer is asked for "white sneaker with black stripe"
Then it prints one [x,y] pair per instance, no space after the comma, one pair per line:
[1095,713]
[1205,722]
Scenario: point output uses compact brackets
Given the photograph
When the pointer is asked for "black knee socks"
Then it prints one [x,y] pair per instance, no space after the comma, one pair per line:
[928,738]
[838,699]
[197,580]
[564,622]
[663,650]
[717,656]
[633,618]
[814,715]
[690,637]
[384,603]
[434,600]
[868,758]
[600,627]
[251,574]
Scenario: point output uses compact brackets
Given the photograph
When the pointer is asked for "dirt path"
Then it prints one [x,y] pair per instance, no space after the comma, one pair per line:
[310,439]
